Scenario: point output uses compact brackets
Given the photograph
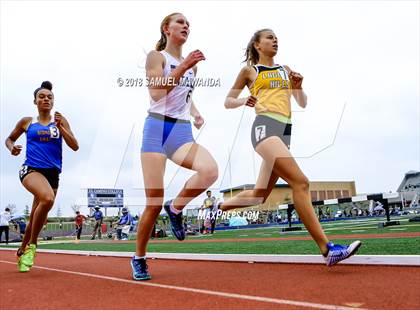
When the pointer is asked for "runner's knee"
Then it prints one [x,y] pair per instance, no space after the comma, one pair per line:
[209,172]
[47,199]
[301,183]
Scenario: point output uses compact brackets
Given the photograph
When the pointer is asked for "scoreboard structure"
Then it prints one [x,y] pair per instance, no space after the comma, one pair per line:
[105,198]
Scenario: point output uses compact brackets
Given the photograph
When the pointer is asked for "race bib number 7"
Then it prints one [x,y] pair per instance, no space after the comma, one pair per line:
[260,133]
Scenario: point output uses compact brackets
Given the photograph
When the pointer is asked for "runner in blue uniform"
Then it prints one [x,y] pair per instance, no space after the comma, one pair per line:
[40,172]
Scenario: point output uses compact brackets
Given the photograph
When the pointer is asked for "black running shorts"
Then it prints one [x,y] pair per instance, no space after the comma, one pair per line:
[51,174]
[265,127]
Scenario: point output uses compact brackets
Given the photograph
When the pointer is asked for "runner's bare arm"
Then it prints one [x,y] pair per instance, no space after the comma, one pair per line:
[65,131]
[244,78]
[15,134]
[296,80]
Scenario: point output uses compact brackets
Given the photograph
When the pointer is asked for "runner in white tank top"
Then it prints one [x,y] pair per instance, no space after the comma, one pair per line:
[177,103]
[167,134]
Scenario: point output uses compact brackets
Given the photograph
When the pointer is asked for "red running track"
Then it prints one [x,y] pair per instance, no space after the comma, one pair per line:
[83,282]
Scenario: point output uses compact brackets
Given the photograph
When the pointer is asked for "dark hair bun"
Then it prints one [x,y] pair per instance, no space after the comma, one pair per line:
[47,85]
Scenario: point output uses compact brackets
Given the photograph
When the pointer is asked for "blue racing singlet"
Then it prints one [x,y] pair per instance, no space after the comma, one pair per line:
[43,146]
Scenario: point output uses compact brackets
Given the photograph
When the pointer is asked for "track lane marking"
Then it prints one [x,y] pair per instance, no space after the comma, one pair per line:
[199,291]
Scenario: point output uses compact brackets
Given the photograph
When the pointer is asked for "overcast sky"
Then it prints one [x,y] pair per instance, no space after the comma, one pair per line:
[359,60]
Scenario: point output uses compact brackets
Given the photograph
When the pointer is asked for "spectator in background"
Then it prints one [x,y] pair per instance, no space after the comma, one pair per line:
[124,224]
[99,217]
[4,223]
[207,224]
[78,221]
[209,204]
[328,212]
[22,227]
[153,231]
[320,213]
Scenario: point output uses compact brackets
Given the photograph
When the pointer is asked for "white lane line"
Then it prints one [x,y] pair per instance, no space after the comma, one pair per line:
[199,291]
[392,260]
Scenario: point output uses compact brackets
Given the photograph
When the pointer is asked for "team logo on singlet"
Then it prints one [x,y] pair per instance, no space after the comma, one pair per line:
[260,133]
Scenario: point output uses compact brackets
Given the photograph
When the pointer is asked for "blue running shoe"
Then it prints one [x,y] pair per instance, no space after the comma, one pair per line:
[337,252]
[140,269]
[176,221]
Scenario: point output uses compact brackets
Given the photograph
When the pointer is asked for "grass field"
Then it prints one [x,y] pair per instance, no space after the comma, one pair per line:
[372,246]
[394,246]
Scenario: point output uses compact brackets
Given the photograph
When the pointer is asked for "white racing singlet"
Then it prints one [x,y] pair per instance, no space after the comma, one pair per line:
[177,103]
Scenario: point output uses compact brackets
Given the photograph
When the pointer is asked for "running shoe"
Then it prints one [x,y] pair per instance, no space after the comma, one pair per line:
[21,267]
[176,221]
[337,252]
[26,260]
[140,269]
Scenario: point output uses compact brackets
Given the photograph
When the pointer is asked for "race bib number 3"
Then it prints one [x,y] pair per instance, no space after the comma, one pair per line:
[54,132]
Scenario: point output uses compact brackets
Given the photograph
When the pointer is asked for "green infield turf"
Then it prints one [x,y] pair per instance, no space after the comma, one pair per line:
[392,246]
[385,246]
